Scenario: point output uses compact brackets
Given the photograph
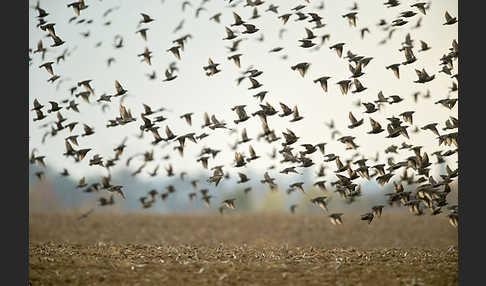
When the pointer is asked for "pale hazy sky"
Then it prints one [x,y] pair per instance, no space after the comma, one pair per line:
[194,92]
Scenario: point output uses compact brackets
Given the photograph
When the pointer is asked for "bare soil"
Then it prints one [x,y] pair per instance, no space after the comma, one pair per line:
[241,249]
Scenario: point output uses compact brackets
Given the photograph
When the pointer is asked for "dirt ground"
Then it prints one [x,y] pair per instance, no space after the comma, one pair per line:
[241,249]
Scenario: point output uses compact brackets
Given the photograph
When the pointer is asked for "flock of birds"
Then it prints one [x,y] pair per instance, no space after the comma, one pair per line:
[428,193]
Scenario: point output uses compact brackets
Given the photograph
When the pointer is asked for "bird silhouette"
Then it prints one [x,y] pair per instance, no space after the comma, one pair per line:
[239,143]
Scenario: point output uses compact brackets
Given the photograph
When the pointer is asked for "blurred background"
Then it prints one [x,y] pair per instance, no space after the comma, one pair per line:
[90,43]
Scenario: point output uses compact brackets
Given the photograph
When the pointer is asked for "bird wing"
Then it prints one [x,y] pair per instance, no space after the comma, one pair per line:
[237,18]
[455,45]
[241,113]
[447,16]
[168,132]
[86,128]
[229,32]
[301,71]
[254,82]
[69,148]
[249,27]
[54,104]
[244,135]
[267,177]
[167,73]
[374,124]
[409,54]
[206,119]
[36,103]
[238,157]
[118,86]
[425,159]
[339,51]
[123,112]
[145,17]
[381,97]
[214,119]
[176,53]
[339,164]
[396,71]
[237,61]
[285,108]
[423,45]
[156,135]
[147,108]
[344,87]
[296,112]
[252,151]
[419,73]
[352,118]
[358,67]
[292,134]
[309,33]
